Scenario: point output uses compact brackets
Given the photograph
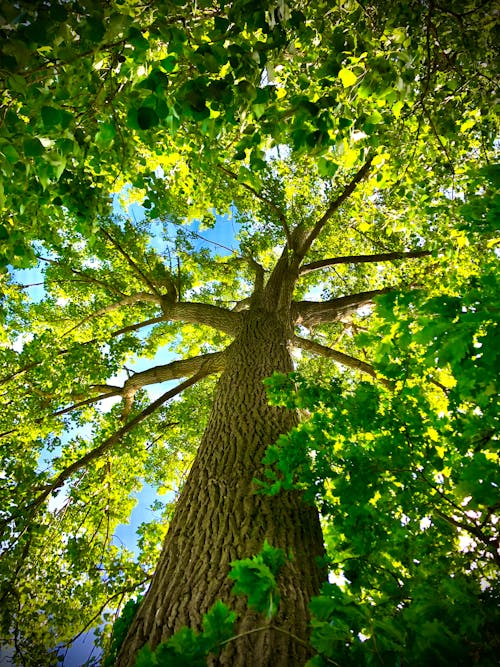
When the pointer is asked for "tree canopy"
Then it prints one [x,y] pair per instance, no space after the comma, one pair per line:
[356,139]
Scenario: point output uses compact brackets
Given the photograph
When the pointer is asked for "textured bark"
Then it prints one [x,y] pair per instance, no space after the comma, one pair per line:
[219,518]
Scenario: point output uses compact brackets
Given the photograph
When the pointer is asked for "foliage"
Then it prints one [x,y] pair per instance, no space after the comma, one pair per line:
[253,117]
[407,478]
[256,578]
[98,95]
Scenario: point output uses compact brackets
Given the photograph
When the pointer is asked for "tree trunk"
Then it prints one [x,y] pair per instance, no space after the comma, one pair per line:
[219,518]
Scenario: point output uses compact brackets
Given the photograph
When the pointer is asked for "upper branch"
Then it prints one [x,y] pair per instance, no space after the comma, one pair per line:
[313,234]
[279,213]
[197,313]
[362,259]
[310,313]
[83,275]
[131,262]
[258,281]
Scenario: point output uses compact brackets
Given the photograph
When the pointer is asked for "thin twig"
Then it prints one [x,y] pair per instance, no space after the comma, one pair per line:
[130,261]
[129,300]
[264,199]
[334,206]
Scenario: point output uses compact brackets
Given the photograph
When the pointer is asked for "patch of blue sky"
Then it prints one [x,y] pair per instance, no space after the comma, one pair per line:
[82,653]
[125,534]
[32,280]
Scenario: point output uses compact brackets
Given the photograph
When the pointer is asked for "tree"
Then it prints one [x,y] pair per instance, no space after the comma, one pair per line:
[342,141]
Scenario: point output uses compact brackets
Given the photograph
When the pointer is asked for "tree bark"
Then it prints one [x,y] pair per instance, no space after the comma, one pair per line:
[219,518]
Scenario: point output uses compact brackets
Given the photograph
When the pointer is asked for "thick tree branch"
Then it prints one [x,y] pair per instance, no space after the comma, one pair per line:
[216,317]
[339,357]
[197,313]
[362,259]
[222,319]
[259,273]
[280,286]
[313,234]
[310,313]
[207,363]
[279,213]
[244,304]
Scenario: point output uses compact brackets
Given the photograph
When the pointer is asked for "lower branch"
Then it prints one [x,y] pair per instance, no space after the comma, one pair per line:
[96,453]
[340,358]
[206,363]
[311,313]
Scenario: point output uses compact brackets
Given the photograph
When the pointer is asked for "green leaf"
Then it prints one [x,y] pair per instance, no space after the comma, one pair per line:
[169,63]
[106,133]
[255,578]
[246,90]
[51,117]
[10,153]
[347,77]
[33,148]
[146,658]
[132,119]
[273,557]
[218,625]
[375,118]
[327,167]
[256,581]
[147,118]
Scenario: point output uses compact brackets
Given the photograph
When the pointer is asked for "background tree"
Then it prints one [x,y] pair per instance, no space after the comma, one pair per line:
[341,140]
